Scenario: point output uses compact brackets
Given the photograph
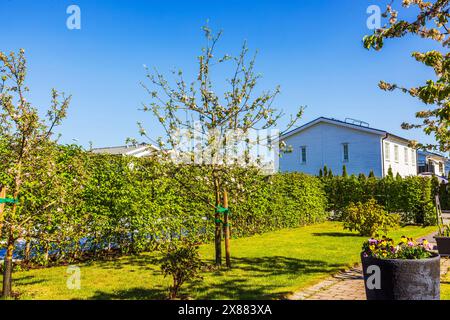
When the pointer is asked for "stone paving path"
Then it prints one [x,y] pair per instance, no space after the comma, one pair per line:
[346,285]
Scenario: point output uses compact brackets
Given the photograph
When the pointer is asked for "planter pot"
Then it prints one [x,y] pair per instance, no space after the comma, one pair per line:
[443,244]
[402,279]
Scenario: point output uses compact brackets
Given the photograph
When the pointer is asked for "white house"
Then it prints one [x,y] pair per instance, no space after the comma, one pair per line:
[334,143]
[139,150]
[431,162]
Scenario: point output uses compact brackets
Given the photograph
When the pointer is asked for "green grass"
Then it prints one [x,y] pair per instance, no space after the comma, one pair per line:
[445,287]
[268,266]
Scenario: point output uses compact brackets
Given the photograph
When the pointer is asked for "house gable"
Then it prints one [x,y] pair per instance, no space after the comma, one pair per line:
[326,142]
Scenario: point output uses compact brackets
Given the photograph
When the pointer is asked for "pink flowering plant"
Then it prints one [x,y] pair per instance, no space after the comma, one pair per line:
[406,248]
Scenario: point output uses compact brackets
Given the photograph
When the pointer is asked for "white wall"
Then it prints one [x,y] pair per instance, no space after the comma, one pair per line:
[403,166]
[324,144]
[440,168]
[425,159]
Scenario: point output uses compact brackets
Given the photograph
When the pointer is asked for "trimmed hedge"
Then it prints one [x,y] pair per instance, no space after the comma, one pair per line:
[280,201]
[411,197]
[113,204]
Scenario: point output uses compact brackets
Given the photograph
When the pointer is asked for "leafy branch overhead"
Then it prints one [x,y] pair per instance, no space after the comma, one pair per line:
[430,23]
[178,105]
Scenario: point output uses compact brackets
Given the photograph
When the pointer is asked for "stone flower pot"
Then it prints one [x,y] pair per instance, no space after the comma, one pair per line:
[443,244]
[402,279]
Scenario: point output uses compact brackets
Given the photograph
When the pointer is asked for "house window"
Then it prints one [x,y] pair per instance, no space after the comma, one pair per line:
[303,154]
[387,151]
[345,151]
[396,153]
[441,167]
[406,155]
[413,157]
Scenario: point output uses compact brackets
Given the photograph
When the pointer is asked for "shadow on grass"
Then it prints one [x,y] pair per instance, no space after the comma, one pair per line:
[237,289]
[27,280]
[335,234]
[249,279]
[157,293]
[144,261]
[246,280]
[281,266]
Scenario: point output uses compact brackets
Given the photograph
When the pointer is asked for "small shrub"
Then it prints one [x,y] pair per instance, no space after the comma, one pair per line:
[368,218]
[182,262]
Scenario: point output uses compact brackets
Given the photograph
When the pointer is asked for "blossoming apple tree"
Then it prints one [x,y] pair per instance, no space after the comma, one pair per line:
[25,156]
[211,104]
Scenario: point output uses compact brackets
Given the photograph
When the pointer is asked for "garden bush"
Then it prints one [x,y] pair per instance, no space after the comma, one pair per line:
[181,261]
[369,218]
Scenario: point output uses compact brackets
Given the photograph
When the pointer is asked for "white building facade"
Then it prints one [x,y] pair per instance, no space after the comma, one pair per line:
[333,143]
[398,156]
[434,163]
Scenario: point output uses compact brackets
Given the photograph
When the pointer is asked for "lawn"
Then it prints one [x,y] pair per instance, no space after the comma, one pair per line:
[268,266]
[445,287]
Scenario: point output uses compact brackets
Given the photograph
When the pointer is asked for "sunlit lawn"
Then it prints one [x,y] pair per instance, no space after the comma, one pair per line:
[268,266]
[445,287]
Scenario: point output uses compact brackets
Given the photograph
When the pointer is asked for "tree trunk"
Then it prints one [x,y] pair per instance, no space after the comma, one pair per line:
[95,245]
[226,229]
[2,208]
[76,253]
[27,250]
[8,267]
[46,254]
[27,253]
[218,230]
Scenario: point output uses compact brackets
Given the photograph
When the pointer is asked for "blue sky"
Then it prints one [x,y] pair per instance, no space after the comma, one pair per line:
[312,49]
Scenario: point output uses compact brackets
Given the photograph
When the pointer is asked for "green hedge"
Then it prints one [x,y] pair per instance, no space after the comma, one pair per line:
[411,197]
[280,201]
[163,201]
[103,203]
